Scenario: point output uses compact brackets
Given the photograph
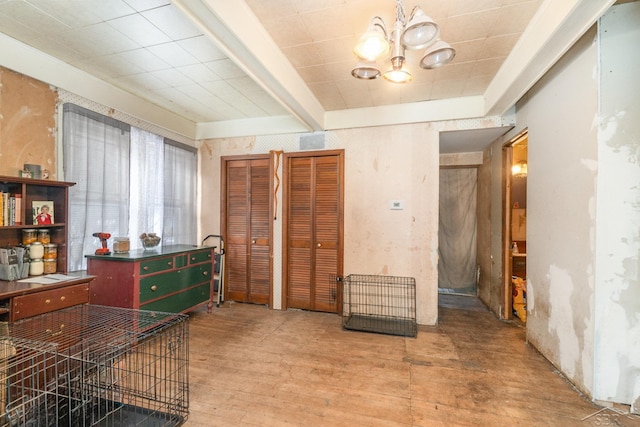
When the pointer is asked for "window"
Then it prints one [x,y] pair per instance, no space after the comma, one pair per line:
[128,181]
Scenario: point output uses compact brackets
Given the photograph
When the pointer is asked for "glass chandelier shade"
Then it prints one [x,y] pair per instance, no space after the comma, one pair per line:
[373,43]
[441,53]
[420,31]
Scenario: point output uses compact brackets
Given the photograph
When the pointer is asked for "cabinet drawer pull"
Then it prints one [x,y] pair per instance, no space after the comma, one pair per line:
[154,288]
[47,301]
[169,263]
[206,273]
[193,258]
[145,268]
[62,298]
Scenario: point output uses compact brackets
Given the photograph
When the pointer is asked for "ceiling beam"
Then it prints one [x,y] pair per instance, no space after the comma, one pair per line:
[237,31]
[416,112]
[555,27]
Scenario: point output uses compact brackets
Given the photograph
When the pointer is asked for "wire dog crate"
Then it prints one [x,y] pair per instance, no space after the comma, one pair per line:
[91,365]
[382,304]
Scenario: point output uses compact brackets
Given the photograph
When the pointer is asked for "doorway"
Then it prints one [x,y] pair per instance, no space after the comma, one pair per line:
[514,245]
[457,231]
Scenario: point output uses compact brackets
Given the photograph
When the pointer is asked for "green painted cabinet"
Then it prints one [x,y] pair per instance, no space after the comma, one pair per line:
[176,278]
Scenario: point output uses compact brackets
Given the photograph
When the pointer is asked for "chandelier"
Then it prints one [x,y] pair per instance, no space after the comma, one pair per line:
[421,32]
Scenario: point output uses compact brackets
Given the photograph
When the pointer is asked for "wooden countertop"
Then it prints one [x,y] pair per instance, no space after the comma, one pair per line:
[18,288]
[143,254]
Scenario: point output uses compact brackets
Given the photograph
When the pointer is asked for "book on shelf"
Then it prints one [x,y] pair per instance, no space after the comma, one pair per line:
[18,209]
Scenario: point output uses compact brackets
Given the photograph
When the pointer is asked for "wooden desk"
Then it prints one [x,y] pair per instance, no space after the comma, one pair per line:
[19,300]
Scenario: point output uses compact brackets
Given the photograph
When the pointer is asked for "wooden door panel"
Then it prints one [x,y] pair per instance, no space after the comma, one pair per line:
[314,218]
[248,230]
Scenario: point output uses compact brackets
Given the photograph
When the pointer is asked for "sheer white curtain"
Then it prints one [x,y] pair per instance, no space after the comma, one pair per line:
[180,192]
[128,181]
[96,158]
[457,247]
[147,188]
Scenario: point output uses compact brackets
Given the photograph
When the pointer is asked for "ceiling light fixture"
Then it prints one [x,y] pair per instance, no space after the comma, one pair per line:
[421,32]
[520,169]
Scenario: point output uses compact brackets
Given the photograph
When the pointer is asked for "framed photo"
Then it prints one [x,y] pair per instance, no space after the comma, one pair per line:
[42,212]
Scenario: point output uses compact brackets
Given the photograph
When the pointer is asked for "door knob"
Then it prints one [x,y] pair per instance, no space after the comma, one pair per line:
[253,241]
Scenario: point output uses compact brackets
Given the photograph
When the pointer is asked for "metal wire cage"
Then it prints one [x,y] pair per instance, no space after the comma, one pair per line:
[382,304]
[91,365]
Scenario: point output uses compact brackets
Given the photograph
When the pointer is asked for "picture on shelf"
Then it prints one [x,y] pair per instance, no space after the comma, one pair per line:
[42,212]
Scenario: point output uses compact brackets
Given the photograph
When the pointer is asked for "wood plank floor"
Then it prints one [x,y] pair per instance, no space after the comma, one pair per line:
[251,366]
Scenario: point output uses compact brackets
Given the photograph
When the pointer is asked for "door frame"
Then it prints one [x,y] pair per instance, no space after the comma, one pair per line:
[507,267]
[285,221]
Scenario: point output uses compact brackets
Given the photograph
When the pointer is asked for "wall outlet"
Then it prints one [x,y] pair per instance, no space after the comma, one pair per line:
[396,204]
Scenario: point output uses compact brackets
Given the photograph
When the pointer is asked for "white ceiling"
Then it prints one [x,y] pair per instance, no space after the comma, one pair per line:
[215,68]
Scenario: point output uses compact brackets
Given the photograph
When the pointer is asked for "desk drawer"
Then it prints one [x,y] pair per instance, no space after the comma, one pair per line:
[44,302]
[201,256]
[155,265]
[162,284]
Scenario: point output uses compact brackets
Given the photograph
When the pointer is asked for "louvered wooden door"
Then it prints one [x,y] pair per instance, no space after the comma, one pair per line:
[314,224]
[248,230]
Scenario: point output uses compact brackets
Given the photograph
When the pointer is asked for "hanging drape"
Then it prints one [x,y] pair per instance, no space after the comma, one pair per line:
[180,163]
[147,189]
[457,230]
[96,158]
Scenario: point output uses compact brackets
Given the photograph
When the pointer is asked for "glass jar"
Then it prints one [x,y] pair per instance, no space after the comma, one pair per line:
[120,245]
[44,236]
[29,236]
[36,250]
[50,266]
[50,251]
[36,267]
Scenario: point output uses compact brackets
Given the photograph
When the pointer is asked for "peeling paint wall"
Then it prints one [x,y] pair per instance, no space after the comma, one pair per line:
[27,123]
[381,164]
[617,297]
[559,112]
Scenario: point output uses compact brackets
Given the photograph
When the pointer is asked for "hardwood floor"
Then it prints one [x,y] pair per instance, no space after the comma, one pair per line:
[251,366]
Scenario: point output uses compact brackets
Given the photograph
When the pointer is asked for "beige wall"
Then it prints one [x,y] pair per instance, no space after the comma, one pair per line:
[27,123]
[381,164]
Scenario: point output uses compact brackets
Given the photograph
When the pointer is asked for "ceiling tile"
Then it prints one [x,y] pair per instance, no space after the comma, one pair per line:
[172,53]
[140,30]
[142,5]
[202,49]
[172,22]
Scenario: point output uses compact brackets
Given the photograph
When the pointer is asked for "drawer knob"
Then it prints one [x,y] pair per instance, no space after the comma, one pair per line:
[145,268]
[47,301]
[169,263]
[154,288]
[206,273]
[193,258]
[62,298]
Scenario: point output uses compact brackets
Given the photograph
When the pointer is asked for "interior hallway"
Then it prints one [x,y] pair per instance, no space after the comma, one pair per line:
[258,367]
